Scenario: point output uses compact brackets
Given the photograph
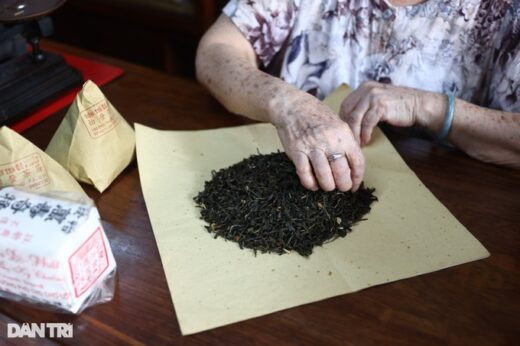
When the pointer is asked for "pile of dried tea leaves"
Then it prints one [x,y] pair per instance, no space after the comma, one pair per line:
[260,204]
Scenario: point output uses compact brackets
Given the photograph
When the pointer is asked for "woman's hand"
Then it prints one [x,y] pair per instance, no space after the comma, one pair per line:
[310,133]
[373,102]
[486,134]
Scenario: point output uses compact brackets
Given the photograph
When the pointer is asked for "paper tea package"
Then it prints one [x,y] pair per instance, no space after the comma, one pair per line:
[93,142]
[24,164]
[53,252]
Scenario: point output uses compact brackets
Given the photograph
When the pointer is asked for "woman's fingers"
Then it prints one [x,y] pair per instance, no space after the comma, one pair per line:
[340,168]
[344,172]
[349,103]
[341,172]
[317,170]
[356,162]
[304,170]
[374,102]
[322,169]
[335,174]
[353,116]
[370,120]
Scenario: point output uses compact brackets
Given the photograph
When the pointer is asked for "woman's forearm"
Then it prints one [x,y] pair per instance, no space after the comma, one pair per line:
[486,134]
[235,80]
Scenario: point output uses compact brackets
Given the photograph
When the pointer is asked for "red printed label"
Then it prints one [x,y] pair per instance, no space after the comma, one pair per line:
[88,262]
[28,172]
[98,119]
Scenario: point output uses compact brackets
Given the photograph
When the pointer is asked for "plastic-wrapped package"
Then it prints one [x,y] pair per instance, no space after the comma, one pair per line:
[53,251]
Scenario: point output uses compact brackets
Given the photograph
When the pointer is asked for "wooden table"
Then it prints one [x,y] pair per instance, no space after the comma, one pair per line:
[472,304]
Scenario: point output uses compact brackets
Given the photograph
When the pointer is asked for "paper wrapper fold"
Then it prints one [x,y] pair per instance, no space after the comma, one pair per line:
[93,142]
[24,164]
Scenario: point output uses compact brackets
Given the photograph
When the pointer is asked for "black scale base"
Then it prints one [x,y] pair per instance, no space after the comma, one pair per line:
[26,84]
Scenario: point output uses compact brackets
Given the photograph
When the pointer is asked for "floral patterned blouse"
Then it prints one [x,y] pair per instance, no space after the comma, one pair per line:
[469,47]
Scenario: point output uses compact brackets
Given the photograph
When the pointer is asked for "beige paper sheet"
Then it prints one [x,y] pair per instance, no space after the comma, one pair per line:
[214,283]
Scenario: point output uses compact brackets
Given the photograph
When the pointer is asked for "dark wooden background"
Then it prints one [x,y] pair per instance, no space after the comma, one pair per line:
[162,34]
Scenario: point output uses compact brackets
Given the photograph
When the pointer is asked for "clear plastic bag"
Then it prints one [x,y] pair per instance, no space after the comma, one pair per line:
[102,293]
[54,253]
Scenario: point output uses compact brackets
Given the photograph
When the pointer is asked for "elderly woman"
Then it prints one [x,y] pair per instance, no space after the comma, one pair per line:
[452,67]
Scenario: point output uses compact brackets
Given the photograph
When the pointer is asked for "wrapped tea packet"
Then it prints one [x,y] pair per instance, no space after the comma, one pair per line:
[53,251]
[93,142]
[23,164]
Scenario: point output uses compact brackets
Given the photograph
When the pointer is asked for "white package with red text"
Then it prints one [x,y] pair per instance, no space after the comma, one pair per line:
[53,252]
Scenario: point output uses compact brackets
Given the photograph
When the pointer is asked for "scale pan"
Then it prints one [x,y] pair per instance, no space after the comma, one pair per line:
[19,10]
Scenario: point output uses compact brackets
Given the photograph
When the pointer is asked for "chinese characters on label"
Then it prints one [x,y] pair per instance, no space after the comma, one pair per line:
[68,218]
[98,119]
[28,172]
[88,263]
